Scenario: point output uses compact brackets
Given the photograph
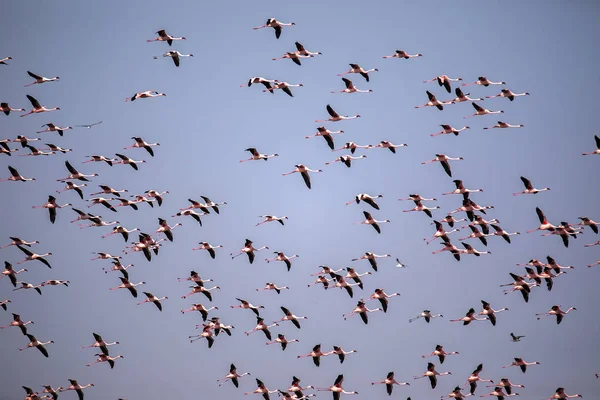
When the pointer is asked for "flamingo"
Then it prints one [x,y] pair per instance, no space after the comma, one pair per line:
[145,95]
[117,266]
[389,383]
[353,146]
[362,310]
[290,317]
[284,86]
[190,213]
[5,149]
[372,257]
[294,56]
[261,326]
[501,232]
[105,358]
[357,69]
[37,108]
[55,282]
[340,282]
[3,304]
[233,375]
[529,189]
[556,310]
[208,247]
[516,338]
[432,374]
[4,60]
[212,204]
[175,55]
[26,285]
[327,270]
[89,126]
[326,134]
[474,378]
[456,394]
[30,256]
[483,81]
[296,388]
[75,174]
[271,218]
[355,276]
[479,221]
[17,321]
[434,102]
[303,170]
[482,111]
[272,286]
[156,195]
[164,37]
[470,250]
[462,97]
[283,341]
[469,206]
[507,385]
[597,151]
[103,201]
[337,388]
[346,159]
[383,297]
[73,186]
[585,221]
[504,125]
[24,140]
[507,93]
[325,281]
[282,257]
[561,395]
[469,316]
[544,224]
[444,80]
[261,80]
[440,233]
[490,312]
[35,152]
[15,176]
[33,342]
[125,284]
[519,362]
[126,160]
[199,288]
[426,314]
[304,52]
[417,197]
[11,273]
[40,79]
[370,200]
[6,109]
[369,220]
[460,188]
[420,207]
[450,220]
[350,88]
[440,353]
[249,249]
[563,232]
[56,148]
[194,277]
[406,56]
[166,228]
[50,390]
[50,127]
[140,143]
[443,159]
[258,156]
[448,129]
[277,25]
[385,144]
[246,305]
[499,393]
[335,117]
[201,309]
[521,285]
[105,256]
[206,333]
[76,387]
[455,251]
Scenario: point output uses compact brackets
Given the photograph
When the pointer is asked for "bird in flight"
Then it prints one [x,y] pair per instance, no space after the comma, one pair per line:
[90,125]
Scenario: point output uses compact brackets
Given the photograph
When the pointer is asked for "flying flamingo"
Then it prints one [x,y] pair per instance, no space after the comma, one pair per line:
[597,151]
[261,326]
[389,383]
[296,388]
[417,197]
[261,80]
[490,312]
[372,258]
[544,224]
[346,159]
[426,314]
[3,304]
[502,125]
[125,284]
[35,152]
[519,362]
[17,321]
[357,69]
[294,56]
[482,111]
[337,388]
[37,108]
[370,200]
[483,81]
[140,143]
[194,277]
[192,214]
[206,333]
[326,134]
[4,60]
[145,95]
[56,148]
[156,195]
[325,281]
[272,286]
[26,285]
[369,220]
[350,88]
[443,159]
[40,79]
[50,127]
[406,56]
[456,394]
[420,207]
[440,353]
[335,117]
[556,310]
[105,358]
[208,247]
[444,80]
[447,129]
[11,273]
[460,189]
[153,299]
[501,232]
[33,342]
[249,249]
[175,55]
[304,170]
[126,160]
[283,341]
[201,309]
[277,25]
[507,385]
[5,149]
[6,109]
[290,317]
[469,316]
[258,156]
[383,297]
[30,256]
[520,285]
[507,93]
[340,282]
[474,378]
[440,233]
[246,305]
[529,189]
[499,393]
[75,174]
[282,257]
[362,310]
[262,390]
[462,97]
[353,146]
[432,374]
[284,86]
[561,395]
[304,52]
[471,250]
[164,37]
[199,288]
[434,102]
[117,266]
[271,218]
[76,387]
[15,176]
[585,221]
[385,144]
[233,375]
[450,220]
[455,251]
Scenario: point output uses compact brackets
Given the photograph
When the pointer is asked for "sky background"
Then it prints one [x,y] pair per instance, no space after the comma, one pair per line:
[99,50]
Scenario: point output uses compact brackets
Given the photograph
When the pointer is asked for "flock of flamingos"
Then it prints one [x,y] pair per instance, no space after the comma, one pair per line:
[479,229]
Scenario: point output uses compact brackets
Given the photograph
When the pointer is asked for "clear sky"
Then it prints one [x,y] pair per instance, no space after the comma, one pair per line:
[100,52]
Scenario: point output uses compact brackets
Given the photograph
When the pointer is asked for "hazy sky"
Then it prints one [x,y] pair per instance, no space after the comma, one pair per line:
[100,52]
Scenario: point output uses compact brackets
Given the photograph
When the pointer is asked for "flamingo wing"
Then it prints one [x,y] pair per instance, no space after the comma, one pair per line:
[33,101]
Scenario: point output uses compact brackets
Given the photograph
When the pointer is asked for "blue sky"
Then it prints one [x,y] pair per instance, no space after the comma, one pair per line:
[204,124]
